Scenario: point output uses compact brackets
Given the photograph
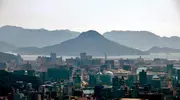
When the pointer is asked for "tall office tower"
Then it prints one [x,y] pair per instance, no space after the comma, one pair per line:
[83,55]
[142,78]
[178,75]
[53,58]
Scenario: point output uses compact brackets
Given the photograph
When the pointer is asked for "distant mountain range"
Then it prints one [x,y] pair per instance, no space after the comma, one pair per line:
[5,47]
[142,40]
[163,50]
[21,37]
[90,42]
[37,40]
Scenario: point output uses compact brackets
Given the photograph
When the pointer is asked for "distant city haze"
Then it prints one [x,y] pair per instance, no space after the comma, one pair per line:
[158,16]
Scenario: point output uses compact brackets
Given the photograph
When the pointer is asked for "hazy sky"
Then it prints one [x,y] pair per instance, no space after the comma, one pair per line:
[159,16]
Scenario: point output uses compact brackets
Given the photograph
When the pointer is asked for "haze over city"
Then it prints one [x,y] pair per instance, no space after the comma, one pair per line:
[158,16]
[89,50]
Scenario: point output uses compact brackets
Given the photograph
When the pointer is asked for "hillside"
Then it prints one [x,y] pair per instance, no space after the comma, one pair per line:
[163,50]
[6,47]
[5,57]
[91,42]
[142,40]
[22,37]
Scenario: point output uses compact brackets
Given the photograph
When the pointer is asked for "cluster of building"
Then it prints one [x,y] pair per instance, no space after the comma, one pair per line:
[88,78]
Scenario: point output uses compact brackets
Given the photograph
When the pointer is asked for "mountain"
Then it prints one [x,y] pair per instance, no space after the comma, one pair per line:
[163,50]
[6,47]
[142,40]
[34,37]
[5,57]
[90,42]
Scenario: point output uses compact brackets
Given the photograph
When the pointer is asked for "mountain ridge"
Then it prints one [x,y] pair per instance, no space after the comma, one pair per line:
[5,47]
[22,37]
[91,42]
[142,40]
[163,50]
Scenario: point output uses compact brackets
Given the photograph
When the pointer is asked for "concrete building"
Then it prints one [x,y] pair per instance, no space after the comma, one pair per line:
[53,58]
[142,78]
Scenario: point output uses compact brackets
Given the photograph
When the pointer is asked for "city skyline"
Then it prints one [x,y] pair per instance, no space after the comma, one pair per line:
[158,16]
[89,49]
